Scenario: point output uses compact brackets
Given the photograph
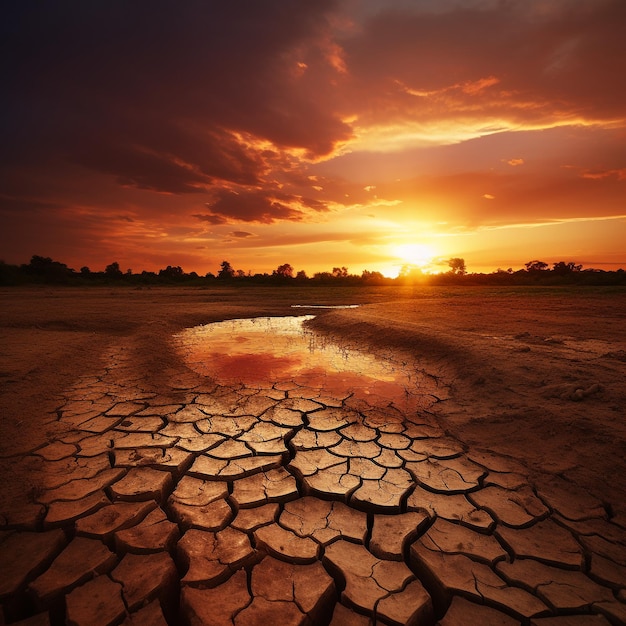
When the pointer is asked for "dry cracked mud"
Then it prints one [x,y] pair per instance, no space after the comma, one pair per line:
[206,504]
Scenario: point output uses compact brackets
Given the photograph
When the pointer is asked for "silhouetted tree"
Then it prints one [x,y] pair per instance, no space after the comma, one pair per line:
[535,266]
[372,277]
[113,270]
[283,271]
[340,272]
[148,277]
[48,270]
[39,264]
[10,274]
[172,272]
[323,276]
[562,269]
[457,266]
[226,271]
[45,270]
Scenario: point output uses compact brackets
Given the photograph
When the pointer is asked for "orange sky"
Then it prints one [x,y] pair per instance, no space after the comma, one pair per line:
[364,133]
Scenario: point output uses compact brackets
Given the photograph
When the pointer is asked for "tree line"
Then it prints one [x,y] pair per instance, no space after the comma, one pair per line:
[44,270]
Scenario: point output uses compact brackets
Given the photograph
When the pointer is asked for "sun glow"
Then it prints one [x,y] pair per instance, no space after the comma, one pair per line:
[416,254]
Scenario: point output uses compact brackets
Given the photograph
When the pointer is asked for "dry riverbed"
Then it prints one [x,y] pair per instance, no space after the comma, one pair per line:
[512,476]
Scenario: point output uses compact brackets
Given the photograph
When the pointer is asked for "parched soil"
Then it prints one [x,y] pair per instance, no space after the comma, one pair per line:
[531,409]
[539,376]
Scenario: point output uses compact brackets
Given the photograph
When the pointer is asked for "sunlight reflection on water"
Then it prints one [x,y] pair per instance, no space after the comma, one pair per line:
[324,306]
[264,351]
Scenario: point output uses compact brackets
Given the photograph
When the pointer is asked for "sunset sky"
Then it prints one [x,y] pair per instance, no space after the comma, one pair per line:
[358,133]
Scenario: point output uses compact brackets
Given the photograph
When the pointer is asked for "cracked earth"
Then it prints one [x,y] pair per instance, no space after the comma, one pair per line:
[197,502]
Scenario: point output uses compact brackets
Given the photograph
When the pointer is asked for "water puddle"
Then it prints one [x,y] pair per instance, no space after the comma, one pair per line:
[268,351]
[324,306]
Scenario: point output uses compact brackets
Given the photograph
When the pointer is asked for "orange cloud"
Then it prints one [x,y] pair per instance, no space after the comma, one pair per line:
[619,174]
[502,84]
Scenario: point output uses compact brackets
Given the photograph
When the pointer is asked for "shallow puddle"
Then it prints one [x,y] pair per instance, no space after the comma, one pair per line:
[271,351]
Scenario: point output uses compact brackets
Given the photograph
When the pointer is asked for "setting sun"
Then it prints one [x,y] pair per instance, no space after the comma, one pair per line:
[417,254]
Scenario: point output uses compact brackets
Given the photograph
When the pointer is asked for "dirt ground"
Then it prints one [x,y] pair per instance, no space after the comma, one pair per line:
[535,374]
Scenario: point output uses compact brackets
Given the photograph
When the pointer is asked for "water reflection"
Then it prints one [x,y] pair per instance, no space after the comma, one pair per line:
[324,306]
[266,351]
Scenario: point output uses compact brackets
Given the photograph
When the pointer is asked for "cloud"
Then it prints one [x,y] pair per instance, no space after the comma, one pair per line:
[241,234]
[135,88]
[180,161]
[617,174]
[518,65]
[521,198]
[210,218]
[188,99]
[258,205]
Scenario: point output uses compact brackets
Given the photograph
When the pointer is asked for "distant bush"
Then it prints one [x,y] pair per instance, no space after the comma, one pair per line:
[44,270]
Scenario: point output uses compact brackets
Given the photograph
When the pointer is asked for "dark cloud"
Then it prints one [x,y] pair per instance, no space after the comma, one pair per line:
[181,163]
[493,60]
[241,234]
[160,95]
[12,205]
[183,98]
[210,218]
[292,239]
[258,205]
